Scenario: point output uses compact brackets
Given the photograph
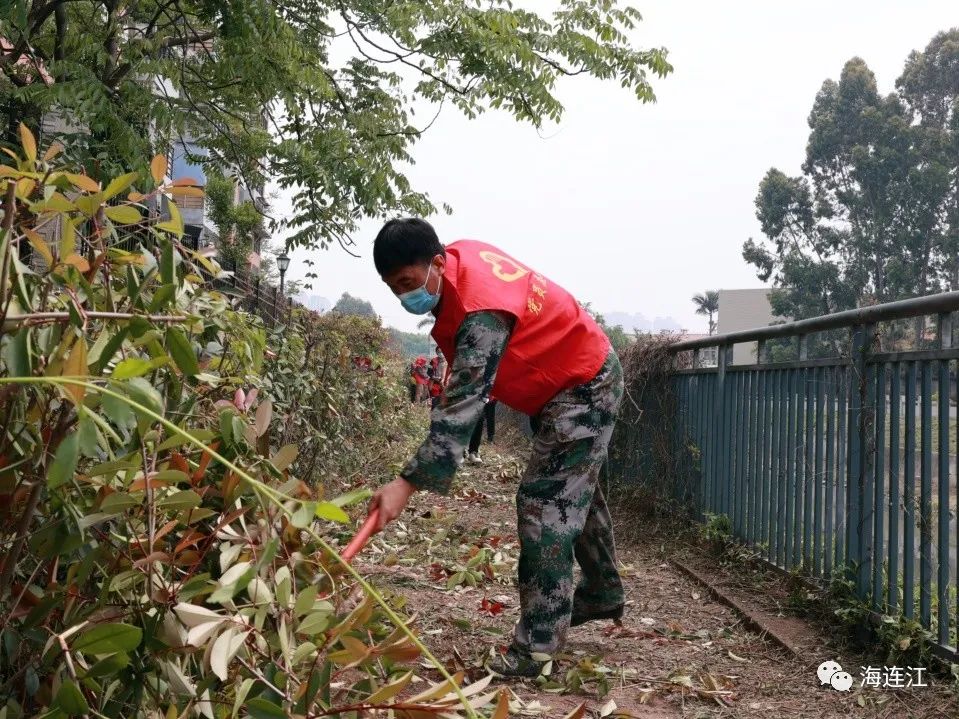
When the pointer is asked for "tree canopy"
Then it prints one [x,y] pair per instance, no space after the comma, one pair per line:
[410,344]
[707,304]
[618,337]
[319,95]
[350,305]
[874,217]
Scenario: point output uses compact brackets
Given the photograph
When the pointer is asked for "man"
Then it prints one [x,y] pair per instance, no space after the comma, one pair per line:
[411,382]
[510,333]
[437,378]
[489,418]
[421,378]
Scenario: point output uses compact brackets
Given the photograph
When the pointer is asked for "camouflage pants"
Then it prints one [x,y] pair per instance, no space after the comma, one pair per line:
[562,514]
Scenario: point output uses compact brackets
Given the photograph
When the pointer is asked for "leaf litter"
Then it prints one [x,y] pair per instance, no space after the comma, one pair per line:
[678,653]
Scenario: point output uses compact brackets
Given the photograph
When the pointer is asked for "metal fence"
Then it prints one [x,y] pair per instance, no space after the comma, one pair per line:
[833,466]
[262,299]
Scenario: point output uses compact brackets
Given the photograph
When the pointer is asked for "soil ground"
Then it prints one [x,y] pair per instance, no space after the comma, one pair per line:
[679,652]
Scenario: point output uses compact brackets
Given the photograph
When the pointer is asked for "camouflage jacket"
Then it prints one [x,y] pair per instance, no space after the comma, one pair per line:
[480,343]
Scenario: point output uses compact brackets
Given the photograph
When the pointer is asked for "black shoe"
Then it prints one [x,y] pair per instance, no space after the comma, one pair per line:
[516,662]
[577,618]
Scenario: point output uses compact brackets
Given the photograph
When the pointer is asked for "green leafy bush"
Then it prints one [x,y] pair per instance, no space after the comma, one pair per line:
[159,555]
[341,398]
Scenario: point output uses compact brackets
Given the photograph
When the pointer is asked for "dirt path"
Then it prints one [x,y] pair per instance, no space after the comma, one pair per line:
[679,653]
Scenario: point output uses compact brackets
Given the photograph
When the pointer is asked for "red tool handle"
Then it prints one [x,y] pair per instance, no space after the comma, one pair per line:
[362,537]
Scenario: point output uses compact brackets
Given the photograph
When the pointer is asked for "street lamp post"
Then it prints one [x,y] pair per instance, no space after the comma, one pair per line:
[283,264]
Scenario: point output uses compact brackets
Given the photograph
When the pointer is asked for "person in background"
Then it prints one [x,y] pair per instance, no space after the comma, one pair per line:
[489,418]
[437,374]
[411,382]
[421,378]
[509,332]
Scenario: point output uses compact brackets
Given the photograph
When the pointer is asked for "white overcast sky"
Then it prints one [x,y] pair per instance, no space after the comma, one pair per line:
[637,207]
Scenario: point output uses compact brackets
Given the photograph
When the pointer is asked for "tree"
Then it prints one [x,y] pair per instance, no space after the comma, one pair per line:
[350,305]
[239,224]
[318,95]
[929,87]
[870,220]
[240,230]
[410,344]
[707,304]
[837,239]
[618,337]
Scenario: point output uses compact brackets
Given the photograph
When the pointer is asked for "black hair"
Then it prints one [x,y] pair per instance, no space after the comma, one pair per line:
[404,242]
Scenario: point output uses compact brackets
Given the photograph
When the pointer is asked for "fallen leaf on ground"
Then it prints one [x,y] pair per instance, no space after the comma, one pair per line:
[490,607]
[618,631]
[438,572]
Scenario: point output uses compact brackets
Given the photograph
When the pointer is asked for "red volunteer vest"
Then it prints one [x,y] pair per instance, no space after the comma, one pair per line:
[554,345]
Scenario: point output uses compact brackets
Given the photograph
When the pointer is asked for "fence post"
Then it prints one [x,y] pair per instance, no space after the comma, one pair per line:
[720,478]
[943,560]
[860,480]
[715,462]
[803,444]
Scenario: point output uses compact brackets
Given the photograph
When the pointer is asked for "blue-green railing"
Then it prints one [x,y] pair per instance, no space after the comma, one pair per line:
[837,466]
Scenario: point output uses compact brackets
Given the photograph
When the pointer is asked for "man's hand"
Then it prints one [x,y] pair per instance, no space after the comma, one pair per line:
[391,499]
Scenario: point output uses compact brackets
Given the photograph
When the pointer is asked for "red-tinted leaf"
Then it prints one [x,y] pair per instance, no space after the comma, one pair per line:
[204,463]
[491,607]
[439,573]
[178,461]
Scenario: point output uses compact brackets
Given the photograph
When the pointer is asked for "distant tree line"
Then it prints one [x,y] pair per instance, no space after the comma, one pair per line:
[411,344]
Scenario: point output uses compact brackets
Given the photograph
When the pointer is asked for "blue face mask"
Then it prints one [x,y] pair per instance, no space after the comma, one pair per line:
[420,301]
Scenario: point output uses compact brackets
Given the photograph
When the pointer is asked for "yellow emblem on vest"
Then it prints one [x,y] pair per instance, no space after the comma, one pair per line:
[496,262]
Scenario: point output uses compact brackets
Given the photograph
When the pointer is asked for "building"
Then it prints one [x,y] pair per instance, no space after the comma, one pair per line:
[187,159]
[744,310]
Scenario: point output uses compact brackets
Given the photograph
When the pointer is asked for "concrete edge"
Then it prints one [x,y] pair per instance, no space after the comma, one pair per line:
[751,619]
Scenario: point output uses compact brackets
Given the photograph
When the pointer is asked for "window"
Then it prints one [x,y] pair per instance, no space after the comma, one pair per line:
[184,162]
